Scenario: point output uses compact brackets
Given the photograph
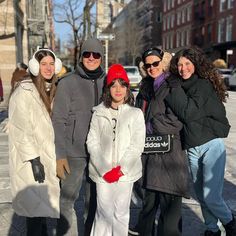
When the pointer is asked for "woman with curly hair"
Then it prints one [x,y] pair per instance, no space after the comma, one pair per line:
[197,97]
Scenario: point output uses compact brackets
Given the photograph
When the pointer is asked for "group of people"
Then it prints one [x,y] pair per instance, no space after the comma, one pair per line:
[88,126]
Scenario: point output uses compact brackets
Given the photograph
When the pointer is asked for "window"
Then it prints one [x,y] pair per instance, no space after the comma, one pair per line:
[187,37]
[183,15]
[164,23]
[168,22]
[230,4]
[222,5]
[221,30]
[171,40]
[189,10]
[229,28]
[177,39]
[172,20]
[178,17]
[182,38]
[209,32]
[168,4]
[158,17]
[173,3]
[164,6]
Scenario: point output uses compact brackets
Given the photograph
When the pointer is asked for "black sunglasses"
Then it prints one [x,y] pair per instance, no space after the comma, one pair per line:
[95,55]
[154,64]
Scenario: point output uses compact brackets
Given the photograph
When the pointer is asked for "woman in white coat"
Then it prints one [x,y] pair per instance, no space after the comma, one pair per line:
[32,160]
[115,143]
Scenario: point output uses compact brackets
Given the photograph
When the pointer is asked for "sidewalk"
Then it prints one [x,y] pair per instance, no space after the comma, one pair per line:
[11,224]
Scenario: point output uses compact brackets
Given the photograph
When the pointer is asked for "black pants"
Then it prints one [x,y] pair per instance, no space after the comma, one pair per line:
[169,222]
[36,226]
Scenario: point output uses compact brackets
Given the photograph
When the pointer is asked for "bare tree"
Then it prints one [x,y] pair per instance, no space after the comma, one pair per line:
[128,40]
[77,14]
[87,18]
[69,12]
[133,38]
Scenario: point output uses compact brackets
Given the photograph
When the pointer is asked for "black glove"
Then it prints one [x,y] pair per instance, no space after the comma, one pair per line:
[38,170]
[173,82]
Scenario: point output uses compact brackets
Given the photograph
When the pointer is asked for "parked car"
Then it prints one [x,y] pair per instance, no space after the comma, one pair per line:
[232,80]
[134,76]
[226,74]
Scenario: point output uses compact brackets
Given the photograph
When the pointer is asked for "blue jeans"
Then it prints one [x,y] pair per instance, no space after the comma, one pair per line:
[207,166]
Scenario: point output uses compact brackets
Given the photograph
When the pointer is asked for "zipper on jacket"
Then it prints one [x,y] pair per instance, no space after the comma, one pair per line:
[73,132]
[95,92]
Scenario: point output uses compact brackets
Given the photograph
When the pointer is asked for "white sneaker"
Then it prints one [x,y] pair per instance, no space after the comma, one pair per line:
[133,232]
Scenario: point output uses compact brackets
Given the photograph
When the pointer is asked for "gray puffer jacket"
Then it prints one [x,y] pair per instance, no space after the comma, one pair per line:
[76,95]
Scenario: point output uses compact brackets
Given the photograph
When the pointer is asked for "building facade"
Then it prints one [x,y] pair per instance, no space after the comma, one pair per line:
[207,24]
[24,25]
[137,27]
[13,39]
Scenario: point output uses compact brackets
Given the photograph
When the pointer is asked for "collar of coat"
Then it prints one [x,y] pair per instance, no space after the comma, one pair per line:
[101,110]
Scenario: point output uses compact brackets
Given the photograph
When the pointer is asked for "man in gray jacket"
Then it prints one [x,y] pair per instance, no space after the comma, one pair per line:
[76,94]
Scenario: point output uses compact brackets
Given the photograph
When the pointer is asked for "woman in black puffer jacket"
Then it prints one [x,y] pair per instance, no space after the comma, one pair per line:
[165,175]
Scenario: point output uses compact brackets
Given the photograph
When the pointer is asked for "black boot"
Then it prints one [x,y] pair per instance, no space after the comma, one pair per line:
[230,228]
[211,233]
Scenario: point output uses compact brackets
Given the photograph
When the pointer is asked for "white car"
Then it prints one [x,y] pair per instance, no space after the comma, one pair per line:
[133,75]
[232,80]
[226,74]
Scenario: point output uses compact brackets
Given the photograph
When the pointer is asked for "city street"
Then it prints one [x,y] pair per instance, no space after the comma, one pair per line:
[10,224]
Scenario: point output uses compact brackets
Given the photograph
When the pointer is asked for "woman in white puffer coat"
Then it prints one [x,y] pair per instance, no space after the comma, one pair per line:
[32,160]
[115,142]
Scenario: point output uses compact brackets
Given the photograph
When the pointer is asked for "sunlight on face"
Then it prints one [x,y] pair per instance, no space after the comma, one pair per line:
[91,63]
[47,67]
[118,93]
[153,71]
[185,67]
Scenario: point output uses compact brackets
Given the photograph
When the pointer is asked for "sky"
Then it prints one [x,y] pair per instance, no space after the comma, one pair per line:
[62,30]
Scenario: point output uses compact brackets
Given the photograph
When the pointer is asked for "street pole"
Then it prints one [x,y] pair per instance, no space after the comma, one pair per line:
[106,38]
[106,55]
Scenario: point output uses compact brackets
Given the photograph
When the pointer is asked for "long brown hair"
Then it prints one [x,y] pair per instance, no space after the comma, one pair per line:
[40,83]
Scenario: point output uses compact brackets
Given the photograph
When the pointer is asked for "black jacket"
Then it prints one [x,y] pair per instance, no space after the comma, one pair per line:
[166,172]
[197,105]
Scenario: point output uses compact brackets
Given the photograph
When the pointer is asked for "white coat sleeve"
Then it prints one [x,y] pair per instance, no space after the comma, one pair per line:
[21,130]
[137,142]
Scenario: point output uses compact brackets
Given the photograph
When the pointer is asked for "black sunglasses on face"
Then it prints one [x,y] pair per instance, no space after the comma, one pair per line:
[95,55]
[154,64]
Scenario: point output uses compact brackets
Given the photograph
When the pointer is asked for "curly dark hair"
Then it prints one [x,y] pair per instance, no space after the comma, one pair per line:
[204,68]
[107,99]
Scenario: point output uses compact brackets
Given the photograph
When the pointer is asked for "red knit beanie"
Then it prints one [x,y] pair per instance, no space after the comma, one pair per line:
[116,71]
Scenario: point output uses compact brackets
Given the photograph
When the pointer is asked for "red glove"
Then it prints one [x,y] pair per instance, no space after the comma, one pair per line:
[113,175]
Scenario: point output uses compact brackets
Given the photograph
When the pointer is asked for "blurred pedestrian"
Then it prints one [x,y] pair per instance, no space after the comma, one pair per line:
[165,174]
[197,96]
[19,73]
[32,159]
[115,143]
[76,94]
